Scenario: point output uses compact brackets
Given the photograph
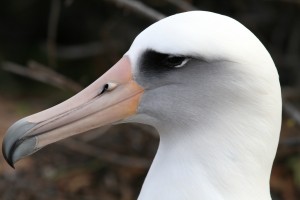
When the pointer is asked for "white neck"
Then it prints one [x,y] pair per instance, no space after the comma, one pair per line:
[212,164]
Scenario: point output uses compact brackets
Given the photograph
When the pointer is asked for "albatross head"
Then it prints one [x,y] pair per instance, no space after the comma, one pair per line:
[208,86]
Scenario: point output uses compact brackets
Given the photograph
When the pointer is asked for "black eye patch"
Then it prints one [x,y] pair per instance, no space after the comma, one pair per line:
[152,61]
[172,61]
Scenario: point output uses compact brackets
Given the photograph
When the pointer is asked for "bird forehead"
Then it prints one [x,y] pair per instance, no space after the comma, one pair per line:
[199,33]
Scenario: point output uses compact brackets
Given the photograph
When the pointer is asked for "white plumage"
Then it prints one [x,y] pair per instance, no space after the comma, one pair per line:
[228,154]
[208,86]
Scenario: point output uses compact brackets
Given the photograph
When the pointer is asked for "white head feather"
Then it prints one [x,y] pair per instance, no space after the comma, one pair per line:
[228,153]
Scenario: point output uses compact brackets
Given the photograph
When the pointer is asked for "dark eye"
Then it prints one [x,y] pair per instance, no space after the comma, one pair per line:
[160,63]
[173,61]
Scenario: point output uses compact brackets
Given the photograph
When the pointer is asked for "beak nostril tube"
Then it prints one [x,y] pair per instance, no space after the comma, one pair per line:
[108,87]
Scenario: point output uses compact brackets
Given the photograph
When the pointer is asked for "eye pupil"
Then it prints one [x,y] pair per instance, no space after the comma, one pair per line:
[173,61]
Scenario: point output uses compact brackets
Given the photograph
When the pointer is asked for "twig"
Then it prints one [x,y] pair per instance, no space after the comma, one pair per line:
[80,51]
[52,32]
[292,111]
[114,158]
[293,141]
[183,5]
[43,74]
[140,8]
[290,93]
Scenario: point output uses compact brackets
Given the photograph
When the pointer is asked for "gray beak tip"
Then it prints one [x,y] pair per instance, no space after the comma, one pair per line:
[7,157]
[15,143]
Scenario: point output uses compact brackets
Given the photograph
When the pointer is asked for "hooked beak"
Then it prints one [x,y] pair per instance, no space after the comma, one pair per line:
[111,98]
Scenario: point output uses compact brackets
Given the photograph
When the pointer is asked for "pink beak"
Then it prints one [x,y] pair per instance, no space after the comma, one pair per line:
[111,98]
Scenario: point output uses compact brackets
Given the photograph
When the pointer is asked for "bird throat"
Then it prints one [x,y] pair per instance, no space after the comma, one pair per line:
[201,166]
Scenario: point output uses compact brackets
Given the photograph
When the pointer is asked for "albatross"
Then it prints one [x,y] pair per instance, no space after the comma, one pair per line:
[208,86]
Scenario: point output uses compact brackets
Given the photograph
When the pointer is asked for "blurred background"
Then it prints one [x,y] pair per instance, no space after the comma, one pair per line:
[51,49]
